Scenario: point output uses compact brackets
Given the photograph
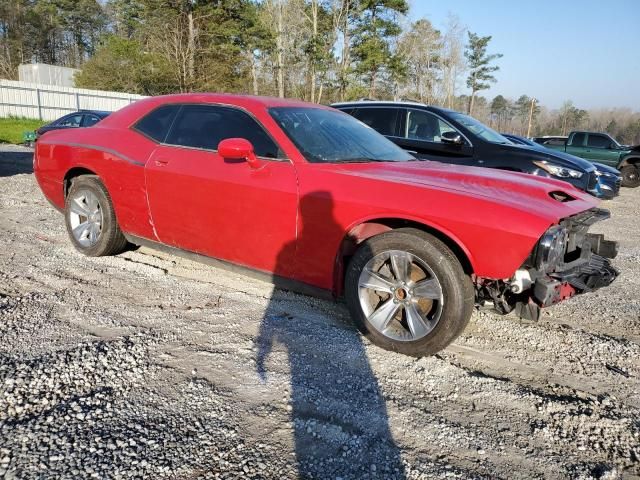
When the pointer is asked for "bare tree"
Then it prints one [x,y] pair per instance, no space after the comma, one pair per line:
[289,43]
[421,47]
[170,39]
[342,10]
[452,58]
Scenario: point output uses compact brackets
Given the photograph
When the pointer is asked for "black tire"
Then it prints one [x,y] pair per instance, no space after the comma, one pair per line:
[630,176]
[457,289]
[110,241]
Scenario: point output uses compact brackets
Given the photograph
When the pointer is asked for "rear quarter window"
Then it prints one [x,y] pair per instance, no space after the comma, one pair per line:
[553,141]
[156,123]
[90,120]
[381,119]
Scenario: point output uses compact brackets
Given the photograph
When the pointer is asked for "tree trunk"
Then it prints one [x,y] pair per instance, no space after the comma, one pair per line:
[374,70]
[254,73]
[451,87]
[345,60]
[533,100]
[312,66]
[191,48]
[372,84]
[471,101]
[279,48]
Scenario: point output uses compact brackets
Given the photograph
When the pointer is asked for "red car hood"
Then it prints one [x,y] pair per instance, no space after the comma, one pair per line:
[519,190]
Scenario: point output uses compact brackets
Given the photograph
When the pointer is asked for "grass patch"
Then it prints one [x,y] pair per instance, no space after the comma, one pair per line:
[11,129]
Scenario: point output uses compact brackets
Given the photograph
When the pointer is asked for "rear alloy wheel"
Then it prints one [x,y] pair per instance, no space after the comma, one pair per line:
[630,176]
[91,220]
[408,293]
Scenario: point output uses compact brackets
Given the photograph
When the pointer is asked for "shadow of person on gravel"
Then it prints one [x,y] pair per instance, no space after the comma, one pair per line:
[339,415]
[15,163]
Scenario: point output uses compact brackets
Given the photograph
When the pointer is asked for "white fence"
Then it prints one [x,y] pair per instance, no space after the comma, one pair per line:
[47,102]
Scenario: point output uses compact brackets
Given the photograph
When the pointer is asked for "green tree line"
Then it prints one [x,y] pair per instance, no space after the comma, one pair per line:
[316,50]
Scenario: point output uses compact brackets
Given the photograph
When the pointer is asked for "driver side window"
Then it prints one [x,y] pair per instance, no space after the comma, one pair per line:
[205,126]
[426,126]
[598,141]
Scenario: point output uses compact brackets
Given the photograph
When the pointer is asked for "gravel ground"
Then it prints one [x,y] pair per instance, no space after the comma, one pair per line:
[148,365]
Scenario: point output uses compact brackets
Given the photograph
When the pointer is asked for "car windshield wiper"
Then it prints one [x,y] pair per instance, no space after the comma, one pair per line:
[361,160]
[370,160]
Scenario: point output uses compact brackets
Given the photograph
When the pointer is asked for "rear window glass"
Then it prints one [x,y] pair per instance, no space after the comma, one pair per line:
[554,141]
[90,120]
[382,120]
[156,123]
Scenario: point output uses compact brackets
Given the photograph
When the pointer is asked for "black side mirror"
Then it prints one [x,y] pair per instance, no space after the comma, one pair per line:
[451,137]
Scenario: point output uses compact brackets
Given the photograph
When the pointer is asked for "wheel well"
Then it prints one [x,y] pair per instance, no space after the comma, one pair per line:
[74,173]
[371,228]
[629,161]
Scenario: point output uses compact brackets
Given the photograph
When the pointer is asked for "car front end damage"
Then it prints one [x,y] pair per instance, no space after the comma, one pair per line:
[608,182]
[566,261]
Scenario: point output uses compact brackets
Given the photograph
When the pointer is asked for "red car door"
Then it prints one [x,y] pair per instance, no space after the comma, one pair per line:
[224,209]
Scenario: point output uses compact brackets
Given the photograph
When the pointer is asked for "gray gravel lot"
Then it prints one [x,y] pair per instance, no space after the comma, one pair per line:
[147,365]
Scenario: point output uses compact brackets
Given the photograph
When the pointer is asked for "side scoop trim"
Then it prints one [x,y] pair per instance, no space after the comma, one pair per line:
[100,148]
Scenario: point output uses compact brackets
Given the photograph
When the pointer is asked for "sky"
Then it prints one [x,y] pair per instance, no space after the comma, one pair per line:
[587,51]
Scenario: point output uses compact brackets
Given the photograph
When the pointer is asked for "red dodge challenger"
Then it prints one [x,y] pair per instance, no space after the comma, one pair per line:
[318,201]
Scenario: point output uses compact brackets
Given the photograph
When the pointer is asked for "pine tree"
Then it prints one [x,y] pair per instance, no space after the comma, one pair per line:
[377,25]
[501,110]
[479,63]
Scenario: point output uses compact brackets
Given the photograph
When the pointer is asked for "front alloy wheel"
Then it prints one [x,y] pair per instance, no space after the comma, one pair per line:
[400,295]
[407,292]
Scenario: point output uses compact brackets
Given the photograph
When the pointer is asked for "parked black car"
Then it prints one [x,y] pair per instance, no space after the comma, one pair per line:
[81,118]
[439,134]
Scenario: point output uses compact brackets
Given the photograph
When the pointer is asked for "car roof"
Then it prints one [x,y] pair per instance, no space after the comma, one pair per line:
[382,102]
[233,99]
[135,110]
[99,113]
[398,103]
[591,132]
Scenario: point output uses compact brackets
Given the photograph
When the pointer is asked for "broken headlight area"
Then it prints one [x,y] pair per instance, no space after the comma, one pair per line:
[566,261]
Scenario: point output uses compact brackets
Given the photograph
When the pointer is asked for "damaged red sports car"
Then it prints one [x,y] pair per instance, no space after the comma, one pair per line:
[320,202]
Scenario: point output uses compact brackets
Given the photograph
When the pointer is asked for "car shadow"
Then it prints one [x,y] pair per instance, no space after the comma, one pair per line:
[15,163]
[337,409]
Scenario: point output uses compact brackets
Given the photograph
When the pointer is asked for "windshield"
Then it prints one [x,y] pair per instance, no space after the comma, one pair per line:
[615,143]
[331,136]
[479,128]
